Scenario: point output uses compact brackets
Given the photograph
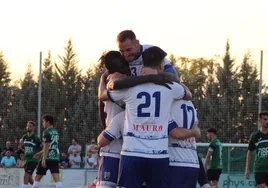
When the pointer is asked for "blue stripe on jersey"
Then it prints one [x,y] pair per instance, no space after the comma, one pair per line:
[108,135]
[174,145]
[169,68]
[171,126]
[155,152]
[145,138]
[109,96]
[176,161]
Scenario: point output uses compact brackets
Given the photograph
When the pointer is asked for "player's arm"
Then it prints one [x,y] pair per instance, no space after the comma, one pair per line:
[113,131]
[251,148]
[181,133]
[208,156]
[131,81]
[102,91]
[102,115]
[104,139]
[248,160]
[188,94]
[180,92]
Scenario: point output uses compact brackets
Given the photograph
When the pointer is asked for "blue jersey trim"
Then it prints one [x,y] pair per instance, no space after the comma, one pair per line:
[174,145]
[108,136]
[130,134]
[155,152]
[109,96]
[169,68]
[171,126]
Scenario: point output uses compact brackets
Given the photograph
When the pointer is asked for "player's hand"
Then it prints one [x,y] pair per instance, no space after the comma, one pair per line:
[36,156]
[44,165]
[247,175]
[104,75]
[115,76]
[162,79]
[197,131]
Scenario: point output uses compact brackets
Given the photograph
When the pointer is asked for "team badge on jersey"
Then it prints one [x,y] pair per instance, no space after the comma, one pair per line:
[107,175]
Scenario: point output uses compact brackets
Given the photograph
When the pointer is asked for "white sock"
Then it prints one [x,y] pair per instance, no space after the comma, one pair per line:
[24,186]
[59,184]
[36,184]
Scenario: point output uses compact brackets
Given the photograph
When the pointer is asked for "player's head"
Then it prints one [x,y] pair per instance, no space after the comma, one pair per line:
[128,45]
[114,62]
[153,57]
[48,120]
[263,119]
[30,126]
[211,133]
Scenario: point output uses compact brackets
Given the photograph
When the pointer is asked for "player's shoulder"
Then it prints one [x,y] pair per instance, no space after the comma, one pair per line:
[24,135]
[146,46]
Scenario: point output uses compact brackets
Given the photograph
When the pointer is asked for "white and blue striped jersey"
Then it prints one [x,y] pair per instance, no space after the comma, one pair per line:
[113,149]
[147,115]
[183,152]
[136,65]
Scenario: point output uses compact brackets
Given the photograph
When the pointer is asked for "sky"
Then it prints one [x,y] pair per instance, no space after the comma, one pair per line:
[184,28]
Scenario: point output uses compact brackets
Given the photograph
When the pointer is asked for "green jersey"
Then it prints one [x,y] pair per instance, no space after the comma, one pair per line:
[216,148]
[51,136]
[259,143]
[32,145]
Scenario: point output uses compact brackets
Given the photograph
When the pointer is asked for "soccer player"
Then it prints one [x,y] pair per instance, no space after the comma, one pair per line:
[259,143]
[131,49]
[32,145]
[183,159]
[50,153]
[110,154]
[215,153]
[144,154]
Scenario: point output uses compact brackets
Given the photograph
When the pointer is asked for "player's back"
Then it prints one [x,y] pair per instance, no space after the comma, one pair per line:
[147,116]
[183,152]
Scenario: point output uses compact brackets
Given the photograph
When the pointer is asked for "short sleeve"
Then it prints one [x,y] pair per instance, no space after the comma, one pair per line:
[168,67]
[178,91]
[114,128]
[47,138]
[251,143]
[117,95]
[212,147]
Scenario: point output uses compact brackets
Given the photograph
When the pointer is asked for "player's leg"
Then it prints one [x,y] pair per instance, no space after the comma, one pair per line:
[40,172]
[157,173]
[202,176]
[131,171]
[28,171]
[214,176]
[53,166]
[260,179]
[108,172]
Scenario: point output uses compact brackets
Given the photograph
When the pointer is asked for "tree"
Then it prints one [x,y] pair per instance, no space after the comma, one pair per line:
[228,95]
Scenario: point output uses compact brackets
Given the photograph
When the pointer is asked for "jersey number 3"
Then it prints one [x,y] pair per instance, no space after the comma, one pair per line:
[156,96]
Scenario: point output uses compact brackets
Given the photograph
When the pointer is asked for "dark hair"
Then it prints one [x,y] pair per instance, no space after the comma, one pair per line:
[153,56]
[211,130]
[124,35]
[75,139]
[114,62]
[32,123]
[263,113]
[48,118]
